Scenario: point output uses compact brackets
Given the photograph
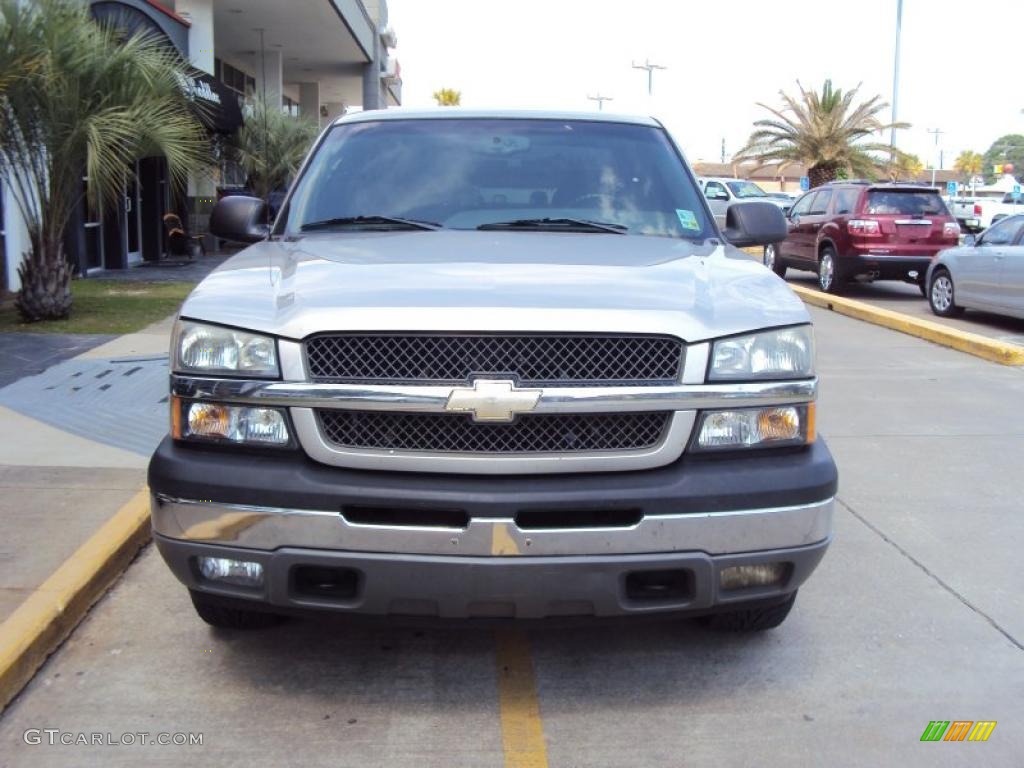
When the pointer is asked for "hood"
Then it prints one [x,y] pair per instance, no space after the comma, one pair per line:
[451,280]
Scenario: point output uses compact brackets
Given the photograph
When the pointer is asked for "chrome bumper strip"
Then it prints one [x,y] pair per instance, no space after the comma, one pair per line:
[269,528]
[433,399]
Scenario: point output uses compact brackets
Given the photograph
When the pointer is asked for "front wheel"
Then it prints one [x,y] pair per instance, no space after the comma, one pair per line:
[942,295]
[829,279]
[755,619]
[771,260]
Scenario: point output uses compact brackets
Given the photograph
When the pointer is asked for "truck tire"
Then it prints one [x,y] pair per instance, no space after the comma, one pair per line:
[225,614]
[768,616]
[771,260]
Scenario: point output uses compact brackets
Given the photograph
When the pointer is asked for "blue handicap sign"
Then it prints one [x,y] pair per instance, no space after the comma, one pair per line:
[1016,192]
[805,183]
[950,188]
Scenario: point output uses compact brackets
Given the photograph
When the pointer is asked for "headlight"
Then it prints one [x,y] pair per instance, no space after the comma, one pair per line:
[220,423]
[210,349]
[785,353]
[774,427]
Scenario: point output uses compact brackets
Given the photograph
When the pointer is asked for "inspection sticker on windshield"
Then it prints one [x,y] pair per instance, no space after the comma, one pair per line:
[687,220]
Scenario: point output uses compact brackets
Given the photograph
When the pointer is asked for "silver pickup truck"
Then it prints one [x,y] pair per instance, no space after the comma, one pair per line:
[493,364]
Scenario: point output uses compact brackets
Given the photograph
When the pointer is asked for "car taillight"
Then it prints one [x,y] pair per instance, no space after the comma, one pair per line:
[863,227]
[951,231]
[977,209]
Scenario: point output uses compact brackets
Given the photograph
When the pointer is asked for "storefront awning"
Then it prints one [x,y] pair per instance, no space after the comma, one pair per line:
[216,104]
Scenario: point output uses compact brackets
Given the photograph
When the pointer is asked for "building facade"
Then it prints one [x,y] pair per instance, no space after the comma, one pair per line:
[314,58]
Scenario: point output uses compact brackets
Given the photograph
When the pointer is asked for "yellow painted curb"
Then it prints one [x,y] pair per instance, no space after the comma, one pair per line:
[41,623]
[964,341]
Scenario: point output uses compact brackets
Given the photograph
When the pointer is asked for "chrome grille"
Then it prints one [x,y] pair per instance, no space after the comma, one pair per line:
[536,359]
[458,433]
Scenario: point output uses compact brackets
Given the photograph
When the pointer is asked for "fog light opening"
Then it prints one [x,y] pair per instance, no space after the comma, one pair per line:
[224,570]
[760,575]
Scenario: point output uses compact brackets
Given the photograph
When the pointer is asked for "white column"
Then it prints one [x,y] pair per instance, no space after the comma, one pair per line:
[200,34]
[309,101]
[274,75]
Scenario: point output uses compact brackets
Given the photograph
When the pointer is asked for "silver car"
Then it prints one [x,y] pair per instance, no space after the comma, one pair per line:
[985,274]
[493,364]
[722,192]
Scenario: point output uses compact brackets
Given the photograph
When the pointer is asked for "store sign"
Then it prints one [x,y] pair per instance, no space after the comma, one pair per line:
[196,88]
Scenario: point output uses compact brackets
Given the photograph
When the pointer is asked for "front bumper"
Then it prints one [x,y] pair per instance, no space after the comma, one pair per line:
[691,518]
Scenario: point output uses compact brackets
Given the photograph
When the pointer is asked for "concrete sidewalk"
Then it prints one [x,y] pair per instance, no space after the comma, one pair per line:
[77,440]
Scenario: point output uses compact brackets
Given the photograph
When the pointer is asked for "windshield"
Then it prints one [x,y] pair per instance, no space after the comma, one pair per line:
[746,189]
[464,173]
[906,203]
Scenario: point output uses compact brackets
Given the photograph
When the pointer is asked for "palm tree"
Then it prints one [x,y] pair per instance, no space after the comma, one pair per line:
[968,164]
[271,145]
[824,131]
[448,97]
[79,97]
[904,167]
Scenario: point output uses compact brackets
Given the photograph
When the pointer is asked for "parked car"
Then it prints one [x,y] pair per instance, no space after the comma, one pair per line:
[985,274]
[977,213]
[493,364]
[861,230]
[723,192]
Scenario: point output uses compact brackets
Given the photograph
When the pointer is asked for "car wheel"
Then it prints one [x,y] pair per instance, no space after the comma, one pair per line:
[767,616]
[771,260]
[942,295]
[225,613]
[829,278]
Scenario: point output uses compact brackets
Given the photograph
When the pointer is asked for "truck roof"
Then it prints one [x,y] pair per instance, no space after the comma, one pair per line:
[451,113]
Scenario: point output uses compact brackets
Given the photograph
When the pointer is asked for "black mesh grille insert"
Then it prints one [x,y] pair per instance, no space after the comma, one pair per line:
[533,359]
[536,433]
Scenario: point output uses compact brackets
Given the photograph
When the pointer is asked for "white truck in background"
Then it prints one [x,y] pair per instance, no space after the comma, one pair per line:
[975,213]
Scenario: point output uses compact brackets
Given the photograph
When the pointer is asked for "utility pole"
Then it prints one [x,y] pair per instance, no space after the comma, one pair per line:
[723,150]
[896,74]
[600,100]
[650,73]
[936,132]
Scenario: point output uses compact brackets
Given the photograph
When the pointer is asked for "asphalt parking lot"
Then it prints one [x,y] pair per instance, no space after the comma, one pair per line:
[915,615]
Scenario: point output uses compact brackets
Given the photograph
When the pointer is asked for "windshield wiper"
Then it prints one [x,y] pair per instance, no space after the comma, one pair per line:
[563,224]
[370,222]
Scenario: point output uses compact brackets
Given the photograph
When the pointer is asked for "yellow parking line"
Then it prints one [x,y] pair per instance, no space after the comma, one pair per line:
[40,624]
[522,732]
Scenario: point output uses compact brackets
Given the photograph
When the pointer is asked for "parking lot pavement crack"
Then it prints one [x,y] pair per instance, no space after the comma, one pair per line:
[931,574]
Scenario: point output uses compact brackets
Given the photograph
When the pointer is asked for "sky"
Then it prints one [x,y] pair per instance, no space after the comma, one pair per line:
[959,69]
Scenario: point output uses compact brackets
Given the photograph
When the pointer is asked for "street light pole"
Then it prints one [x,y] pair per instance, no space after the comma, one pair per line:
[896,73]
[600,100]
[935,132]
[650,73]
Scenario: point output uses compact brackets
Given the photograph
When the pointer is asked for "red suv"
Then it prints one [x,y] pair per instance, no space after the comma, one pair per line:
[860,230]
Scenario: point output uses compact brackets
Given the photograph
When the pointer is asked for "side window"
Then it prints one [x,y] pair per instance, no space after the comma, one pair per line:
[820,203]
[846,200]
[715,191]
[1002,233]
[803,205]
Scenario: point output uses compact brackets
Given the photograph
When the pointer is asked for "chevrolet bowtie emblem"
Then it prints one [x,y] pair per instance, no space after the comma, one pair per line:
[492,400]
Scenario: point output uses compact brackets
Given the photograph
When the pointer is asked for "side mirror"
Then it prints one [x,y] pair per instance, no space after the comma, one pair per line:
[239,218]
[748,224]
[718,196]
